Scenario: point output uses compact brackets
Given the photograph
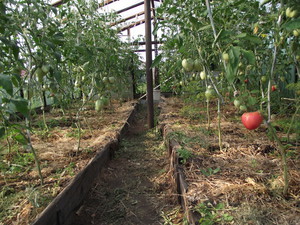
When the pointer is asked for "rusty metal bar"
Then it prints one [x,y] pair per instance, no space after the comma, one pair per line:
[127,18]
[143,42]
[107,2]
[142,50]
[130,7]
[150,107]
[140,22]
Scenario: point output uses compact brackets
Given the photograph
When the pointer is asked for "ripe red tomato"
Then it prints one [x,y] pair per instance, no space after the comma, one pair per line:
[246,81]
[252,120]
[273,87]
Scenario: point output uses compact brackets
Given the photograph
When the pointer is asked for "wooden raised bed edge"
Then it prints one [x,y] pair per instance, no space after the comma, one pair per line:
[178,174]
[64,205]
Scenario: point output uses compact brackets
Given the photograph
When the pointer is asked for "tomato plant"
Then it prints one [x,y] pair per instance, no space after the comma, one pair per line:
[243,46]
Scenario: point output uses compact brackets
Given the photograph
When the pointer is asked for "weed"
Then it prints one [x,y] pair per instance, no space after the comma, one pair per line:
[212,214]
[191,112]
[70,168]
[210,171]
[74,133]
[183,139]
[253,163]
[184,154]
[285,123]
[172,217]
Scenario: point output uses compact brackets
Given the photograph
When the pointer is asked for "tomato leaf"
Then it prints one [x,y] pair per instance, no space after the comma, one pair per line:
[242,35]
[292,25]
[205,27]
[156,61]
[249,55]
[15,50]
[21,105]
[194,21]
[160,10]
[6,84]
[172,10]
[16,80]
[229,74]
[155,30]
[251,38]
[20,138]
[252,100]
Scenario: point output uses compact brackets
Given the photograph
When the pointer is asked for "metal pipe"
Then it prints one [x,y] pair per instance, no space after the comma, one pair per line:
[150,107]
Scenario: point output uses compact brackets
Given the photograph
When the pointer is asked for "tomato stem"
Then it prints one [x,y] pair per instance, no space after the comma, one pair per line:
[219,124]
[208,116]
[283,157]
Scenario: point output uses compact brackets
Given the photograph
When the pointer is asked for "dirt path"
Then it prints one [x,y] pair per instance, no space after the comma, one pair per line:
[134,188]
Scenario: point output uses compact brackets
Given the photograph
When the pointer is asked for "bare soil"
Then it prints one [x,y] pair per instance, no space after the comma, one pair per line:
[134,188]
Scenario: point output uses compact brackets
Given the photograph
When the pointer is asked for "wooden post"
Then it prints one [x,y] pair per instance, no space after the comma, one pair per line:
[150,107]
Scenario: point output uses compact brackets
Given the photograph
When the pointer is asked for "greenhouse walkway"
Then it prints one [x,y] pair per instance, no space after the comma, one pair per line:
[134,187]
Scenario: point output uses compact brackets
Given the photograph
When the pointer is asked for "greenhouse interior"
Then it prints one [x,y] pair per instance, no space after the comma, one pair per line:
[150,112]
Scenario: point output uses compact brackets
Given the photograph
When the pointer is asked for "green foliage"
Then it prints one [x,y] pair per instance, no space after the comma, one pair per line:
[208,172]
[212,214]
[191,112]
[184,155]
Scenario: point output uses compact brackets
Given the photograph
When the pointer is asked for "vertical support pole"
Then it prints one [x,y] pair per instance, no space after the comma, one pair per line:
[156,71]
[150,107]
[128,34]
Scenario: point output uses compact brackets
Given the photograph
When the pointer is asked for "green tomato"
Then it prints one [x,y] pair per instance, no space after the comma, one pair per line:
[209,93]
[188,64]
[296,33]
[236,103]
[203,75]
[99,105]
[225,57]
[263,79]
[45,68]
[243,108]
[105,80]
[111,80]
[288,12]
[293,14]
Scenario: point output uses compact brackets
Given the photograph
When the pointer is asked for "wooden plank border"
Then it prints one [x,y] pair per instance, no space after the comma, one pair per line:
[178,174]
[64,205]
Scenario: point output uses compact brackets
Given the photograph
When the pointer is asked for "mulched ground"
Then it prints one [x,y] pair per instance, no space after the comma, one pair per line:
[22,197]
[243,182]
[135,187]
